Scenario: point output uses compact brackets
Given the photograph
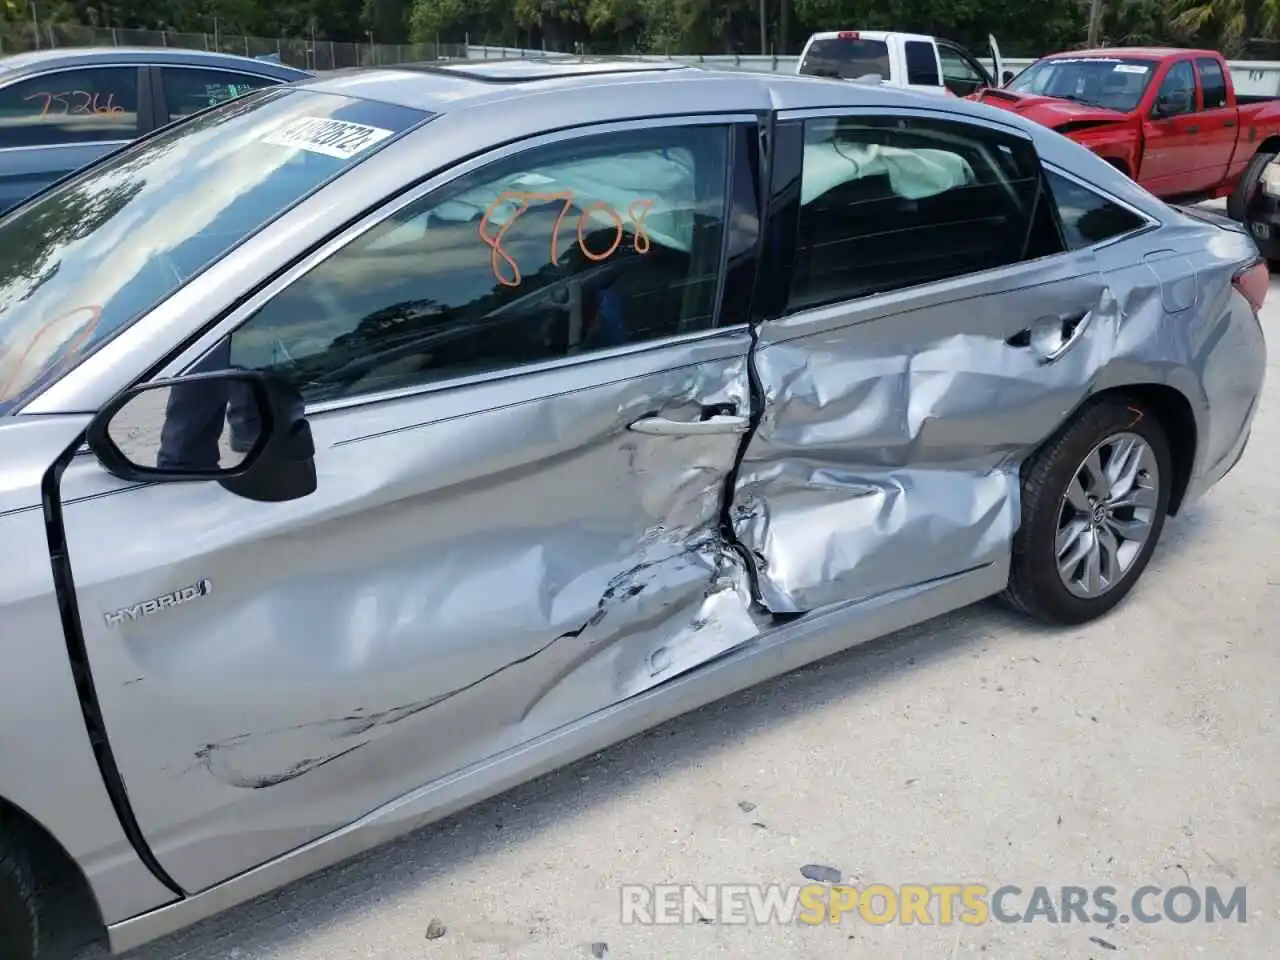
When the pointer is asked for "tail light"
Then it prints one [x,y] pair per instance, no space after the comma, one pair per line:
[848,34]
[1253,282]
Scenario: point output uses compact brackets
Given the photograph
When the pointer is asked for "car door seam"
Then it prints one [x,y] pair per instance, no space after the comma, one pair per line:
[81,670]
[767,143]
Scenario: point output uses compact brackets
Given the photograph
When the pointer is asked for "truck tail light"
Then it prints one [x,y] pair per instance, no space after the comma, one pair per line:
[1253,282]
[848,34]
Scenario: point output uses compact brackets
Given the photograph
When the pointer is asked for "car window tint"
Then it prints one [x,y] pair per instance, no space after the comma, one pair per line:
[922,65]
[958,74]
[956,67]
[188,91]
[846,58]
[889,203]
[1213,85]
[1178,89]
[596,243]
[70,106]
[1088,218]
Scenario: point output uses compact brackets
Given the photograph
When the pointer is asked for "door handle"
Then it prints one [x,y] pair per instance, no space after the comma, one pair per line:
[1193,128]
[1229,124]
[721,423]
[1051,337]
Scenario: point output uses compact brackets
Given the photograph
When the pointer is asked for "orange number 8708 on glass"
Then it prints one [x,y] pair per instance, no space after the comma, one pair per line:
[637,210]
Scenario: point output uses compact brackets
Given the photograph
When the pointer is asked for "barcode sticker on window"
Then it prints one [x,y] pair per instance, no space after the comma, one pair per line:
[333,138]
[1130,68]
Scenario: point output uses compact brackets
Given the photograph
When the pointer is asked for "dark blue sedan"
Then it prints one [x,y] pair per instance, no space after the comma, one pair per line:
[62,109]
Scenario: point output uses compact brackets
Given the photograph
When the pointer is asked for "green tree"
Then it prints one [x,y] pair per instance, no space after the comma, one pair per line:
[385,18]
[1227,25]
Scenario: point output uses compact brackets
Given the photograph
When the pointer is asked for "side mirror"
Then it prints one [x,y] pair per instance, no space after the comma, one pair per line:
[1006,78]
[240,428]
[1171,104]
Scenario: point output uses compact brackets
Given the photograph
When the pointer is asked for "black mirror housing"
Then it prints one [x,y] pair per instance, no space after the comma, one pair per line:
[1006,77]
[172,430]
[1170,105]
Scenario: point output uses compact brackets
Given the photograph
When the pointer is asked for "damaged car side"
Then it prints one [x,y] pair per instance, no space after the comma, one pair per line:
[373,445]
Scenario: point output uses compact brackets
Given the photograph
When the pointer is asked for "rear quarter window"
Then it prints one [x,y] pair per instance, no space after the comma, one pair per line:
[1088,218]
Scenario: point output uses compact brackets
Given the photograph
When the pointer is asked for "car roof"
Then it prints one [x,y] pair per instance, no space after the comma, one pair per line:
[57,57]
[477,106]
[638,88]
[1148,53]
[868,35]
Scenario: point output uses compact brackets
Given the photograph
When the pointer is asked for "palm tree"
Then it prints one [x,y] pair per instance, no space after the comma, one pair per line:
[1227,25]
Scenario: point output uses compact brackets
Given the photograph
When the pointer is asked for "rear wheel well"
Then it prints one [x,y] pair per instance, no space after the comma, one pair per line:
[1175,415]
[67,903]
[1269,145]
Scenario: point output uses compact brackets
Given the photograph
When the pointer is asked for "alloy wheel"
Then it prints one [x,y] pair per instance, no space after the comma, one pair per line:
[1107,515]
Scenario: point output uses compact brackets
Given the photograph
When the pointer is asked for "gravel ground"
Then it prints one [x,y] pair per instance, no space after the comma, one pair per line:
[975,748]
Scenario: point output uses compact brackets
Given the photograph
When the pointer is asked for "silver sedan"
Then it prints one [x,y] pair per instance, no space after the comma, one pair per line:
[372,444]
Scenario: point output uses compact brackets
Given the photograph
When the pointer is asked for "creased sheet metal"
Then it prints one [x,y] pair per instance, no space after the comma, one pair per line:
[889,449]
[472,572]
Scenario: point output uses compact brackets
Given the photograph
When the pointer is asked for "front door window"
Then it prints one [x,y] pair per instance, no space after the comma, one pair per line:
[601,242]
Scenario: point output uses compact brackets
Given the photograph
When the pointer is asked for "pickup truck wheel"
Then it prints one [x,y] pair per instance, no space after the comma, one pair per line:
[1238,201]
[19,918]
[1094,500]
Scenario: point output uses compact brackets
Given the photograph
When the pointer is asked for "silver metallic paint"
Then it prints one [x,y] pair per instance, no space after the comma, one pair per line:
[894,427]
[479,566]
[782,649]
[347,684]
[47,767]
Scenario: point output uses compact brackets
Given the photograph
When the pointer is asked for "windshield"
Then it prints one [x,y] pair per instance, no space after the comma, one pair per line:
[1116,83]
[846,58]
[84,260]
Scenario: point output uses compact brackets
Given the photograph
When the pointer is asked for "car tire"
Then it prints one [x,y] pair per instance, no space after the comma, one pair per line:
[1070,564]
[19,916]
[1238,201]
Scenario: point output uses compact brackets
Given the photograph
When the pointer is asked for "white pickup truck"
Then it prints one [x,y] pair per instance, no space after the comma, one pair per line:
[909,60]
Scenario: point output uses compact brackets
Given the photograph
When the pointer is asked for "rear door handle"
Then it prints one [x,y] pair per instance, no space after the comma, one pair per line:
[1228,124]
[1051,337]
[721,423]
[1193,128]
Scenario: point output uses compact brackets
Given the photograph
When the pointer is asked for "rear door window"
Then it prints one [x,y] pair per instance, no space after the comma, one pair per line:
[1213,85]
[189,90]
[846,58]
[90,105]
[895,202]
[922,64]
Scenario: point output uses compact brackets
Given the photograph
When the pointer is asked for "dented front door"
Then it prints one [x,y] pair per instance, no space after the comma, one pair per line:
[481,563]
[894,421]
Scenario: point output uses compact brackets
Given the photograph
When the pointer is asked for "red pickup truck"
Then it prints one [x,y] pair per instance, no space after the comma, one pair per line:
[1168,118]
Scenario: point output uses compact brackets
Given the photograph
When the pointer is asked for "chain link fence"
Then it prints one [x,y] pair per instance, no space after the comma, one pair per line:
[307,54]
